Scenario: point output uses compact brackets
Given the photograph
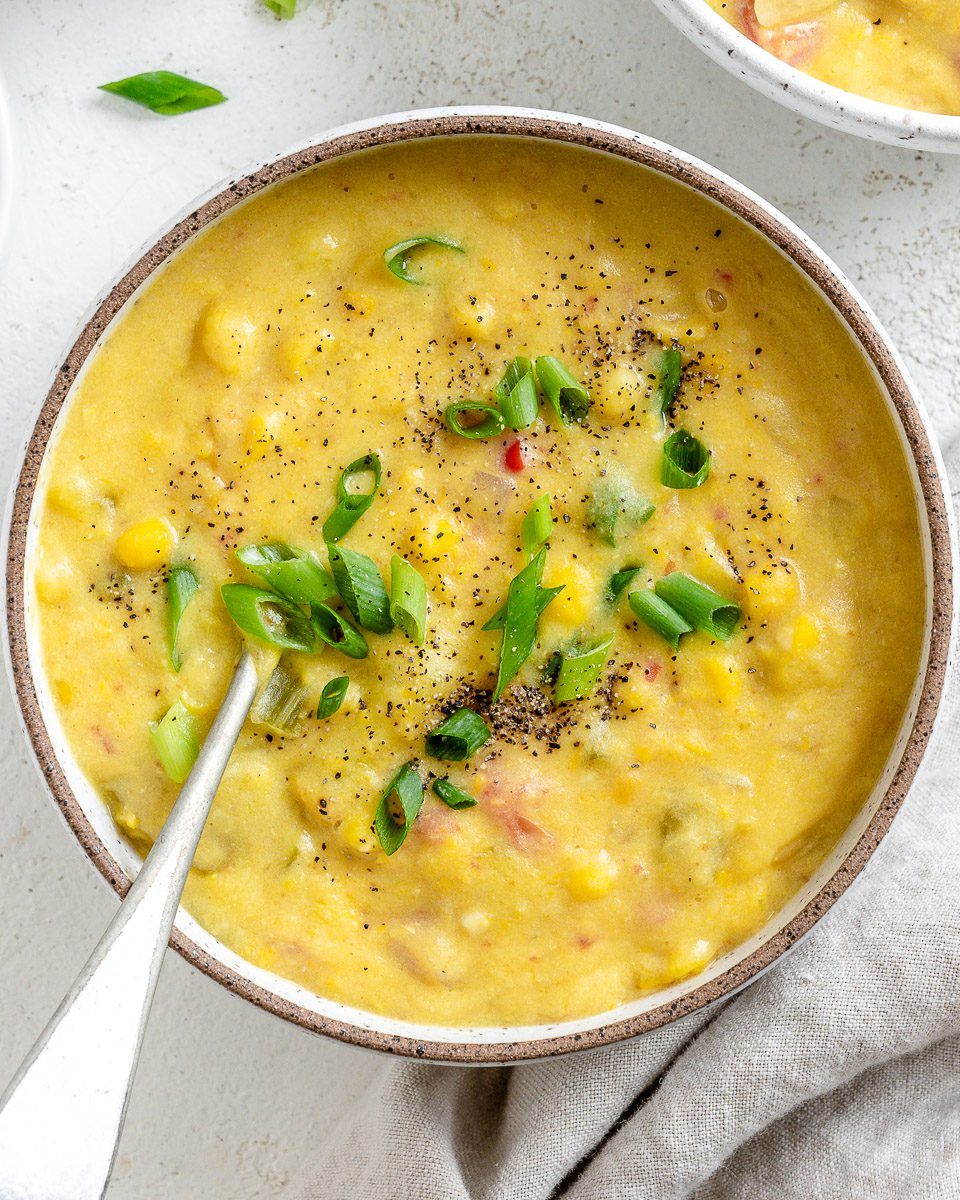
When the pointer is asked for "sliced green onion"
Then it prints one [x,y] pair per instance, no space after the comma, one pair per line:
[660,616]
[280,703]
[486,420]
[619,582]
[686,461]
[361,588]
[700,605]
[408,600]
[336,631]
[544,596]
[285,9]
[460,736]
[667,380]
[295,574]
[617,507]
[526,600]
[352,504]
[267,616]
[176,741]
[578,669]
[396,256]
[451,795]
[332,696]
[516,393]
[537,526]
[568,397]
[165,92]
[182,585]
[398,808]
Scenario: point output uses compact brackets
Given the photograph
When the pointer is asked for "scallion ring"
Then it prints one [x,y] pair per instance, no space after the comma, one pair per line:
[336,631]
[666,380]
[397,255]
[617,507]
[182,586]
[451,795]
[618,584]
[269,617]
[526,600]
[460,736]
[485,420]
[361,588]
[516,393]
[398,808]
[661,617]
[579,669]
[176,741]
[280,704]
[568,398]
[537,526]
[700,605]
[685,462]
[332,696]
[352,500]
[295,574]
[408,600]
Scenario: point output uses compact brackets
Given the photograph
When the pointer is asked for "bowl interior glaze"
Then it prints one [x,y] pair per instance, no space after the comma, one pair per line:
[89,818]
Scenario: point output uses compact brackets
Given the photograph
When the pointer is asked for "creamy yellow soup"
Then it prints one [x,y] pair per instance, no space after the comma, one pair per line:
[903,52]
[619,842]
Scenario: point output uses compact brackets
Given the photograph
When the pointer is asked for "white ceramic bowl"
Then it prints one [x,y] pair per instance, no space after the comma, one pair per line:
[89,817]
[7,165]
[822,102]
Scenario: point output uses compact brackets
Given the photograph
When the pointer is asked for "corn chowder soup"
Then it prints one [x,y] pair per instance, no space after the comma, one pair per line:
[902,52]
[576,546]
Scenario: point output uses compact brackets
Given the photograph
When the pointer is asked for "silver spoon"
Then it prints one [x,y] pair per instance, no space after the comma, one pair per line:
[61,1116]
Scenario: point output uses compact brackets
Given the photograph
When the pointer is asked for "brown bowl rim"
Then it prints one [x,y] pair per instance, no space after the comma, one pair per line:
[676,165]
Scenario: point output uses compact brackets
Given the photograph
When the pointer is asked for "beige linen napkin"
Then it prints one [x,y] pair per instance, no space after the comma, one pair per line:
[834,1077]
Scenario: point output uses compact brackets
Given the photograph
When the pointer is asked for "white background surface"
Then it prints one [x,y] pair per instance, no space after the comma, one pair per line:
[228,1100]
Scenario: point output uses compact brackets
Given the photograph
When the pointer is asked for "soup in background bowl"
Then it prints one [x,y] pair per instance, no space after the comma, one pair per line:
[577,536]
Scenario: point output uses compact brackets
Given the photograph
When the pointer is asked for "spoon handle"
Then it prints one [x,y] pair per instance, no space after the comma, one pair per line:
[61,1116]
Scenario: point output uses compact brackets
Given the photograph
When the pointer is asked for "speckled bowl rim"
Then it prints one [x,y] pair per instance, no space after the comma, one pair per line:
[736,199]
[832,106]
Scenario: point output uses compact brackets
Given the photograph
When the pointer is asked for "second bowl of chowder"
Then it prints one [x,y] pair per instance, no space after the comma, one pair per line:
[591,493]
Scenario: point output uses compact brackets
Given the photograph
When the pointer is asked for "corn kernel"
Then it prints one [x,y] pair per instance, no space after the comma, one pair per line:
[768,594]
[805,634]
[620,389]
[146,545]
[52,582]
[687,960]
[356,835]
[577,602]
[260,434]
[74,496]
[472,318]
[722,676]
[594,879]
[228,339]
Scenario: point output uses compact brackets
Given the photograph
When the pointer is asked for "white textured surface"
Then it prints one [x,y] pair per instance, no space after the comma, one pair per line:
[228,1100]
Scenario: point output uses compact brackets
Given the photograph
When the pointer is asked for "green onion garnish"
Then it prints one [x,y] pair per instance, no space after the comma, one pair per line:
[361,588]
[700,605]
[685,462]
[398,808]
[336,631]
[295,574]
[267,616]
[280,704]
[285,9]
[396,256]
[537,526]
[526,600]
[182,585]
[353,502]
[516,393]
[408,600]
[617,507]
[176,741]
[460,736]
[666,381]
[619,582]
[485,420]
[499,618]
[165,92]
[332,697]
[568,397]
[451,795]
[579,668]
[660,616]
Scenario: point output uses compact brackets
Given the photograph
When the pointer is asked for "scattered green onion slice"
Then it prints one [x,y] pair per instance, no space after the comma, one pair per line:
[408,600]
[267,616]
[685,462]
[451,795]
[578,669]
[397,255]
[295,574]
[619,582]
[516,393]
[176,741]
[336,631]
[361,588]
[667,380]
[285,9]
[182,585]
[544,597]
[487,420]
[398,808]
[332,696]
[280,704]
[660,616]
[617,507]
[526,600]
[568,397]
[352,504]
[165,92]
[460,736]
[537,526]
[700,605]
